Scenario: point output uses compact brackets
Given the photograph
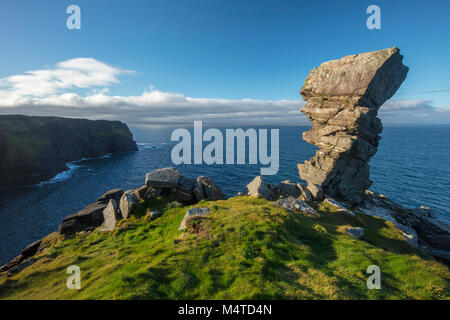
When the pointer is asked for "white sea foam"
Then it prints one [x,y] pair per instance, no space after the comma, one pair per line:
[62,175]
[73,166]
[143,146]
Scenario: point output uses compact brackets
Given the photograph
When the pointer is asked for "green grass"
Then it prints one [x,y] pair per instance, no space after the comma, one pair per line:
[245,249]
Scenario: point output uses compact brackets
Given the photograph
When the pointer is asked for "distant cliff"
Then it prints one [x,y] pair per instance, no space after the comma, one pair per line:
[35,149]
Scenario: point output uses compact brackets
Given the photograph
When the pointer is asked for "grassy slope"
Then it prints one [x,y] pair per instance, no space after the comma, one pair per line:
[245,249]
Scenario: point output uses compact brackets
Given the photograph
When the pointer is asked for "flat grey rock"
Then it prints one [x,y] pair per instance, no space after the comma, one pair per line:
[288,188]
[295,205]
[193,212]
[154,214]
[163,178]
[355,232]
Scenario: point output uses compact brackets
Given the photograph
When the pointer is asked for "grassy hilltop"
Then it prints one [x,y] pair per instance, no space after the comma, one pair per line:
[244,249]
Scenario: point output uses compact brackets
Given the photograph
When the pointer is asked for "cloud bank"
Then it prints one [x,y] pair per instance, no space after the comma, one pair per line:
[53,91]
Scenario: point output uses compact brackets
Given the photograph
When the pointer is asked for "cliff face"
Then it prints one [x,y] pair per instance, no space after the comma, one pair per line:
[34,149]
[343,97]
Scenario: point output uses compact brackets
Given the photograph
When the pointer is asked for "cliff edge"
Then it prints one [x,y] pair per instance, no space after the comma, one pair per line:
[35,149]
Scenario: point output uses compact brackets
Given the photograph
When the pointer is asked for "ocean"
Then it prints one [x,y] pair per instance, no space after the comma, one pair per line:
[412,167]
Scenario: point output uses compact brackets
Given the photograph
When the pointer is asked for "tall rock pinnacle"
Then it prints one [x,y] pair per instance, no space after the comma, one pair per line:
[343,97]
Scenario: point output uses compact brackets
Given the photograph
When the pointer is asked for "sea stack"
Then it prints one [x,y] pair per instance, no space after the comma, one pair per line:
[343,97]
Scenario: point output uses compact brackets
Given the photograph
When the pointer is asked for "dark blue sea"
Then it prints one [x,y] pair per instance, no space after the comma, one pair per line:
[412,167]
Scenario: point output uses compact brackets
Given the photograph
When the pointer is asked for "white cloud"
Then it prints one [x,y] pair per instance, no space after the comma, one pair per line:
[74,73]
[50,92]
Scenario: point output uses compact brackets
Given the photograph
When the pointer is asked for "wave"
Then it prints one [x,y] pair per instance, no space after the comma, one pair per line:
[73,166]
[92,158]
[62,175]
[142,146]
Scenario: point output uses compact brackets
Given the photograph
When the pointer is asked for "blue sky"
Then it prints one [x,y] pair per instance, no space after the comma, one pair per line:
[230,50]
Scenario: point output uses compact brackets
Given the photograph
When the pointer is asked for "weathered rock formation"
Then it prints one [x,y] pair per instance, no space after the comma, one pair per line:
[292,204]
[116,204]
[35,149]
[343,97]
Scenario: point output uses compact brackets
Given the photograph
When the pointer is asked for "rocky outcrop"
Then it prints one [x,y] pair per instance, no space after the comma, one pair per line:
[35,149]
[292,204]
[343,97]
[115,204]
[163,178]
[206,188]
[289,188]
[115,194]
[169,181]
[24,259]
[419,226]
[89,218]
[259,188]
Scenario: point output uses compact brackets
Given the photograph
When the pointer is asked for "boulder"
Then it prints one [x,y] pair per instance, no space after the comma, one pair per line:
[305,192]
[423,212]
[295,205]
[342,100]
[89,218]
[289,189]
[140,192]
[259,188]
[11,264]
[355,232]
[163,178]
[111,216]
[198,191]
[128,203]
[70,227]
[31,249]
[185,189]
[174,204]
[115,194]
[315,192]
[193,212]
[151,193]
[206,188]
[154,214]
[92,214]
[21,266]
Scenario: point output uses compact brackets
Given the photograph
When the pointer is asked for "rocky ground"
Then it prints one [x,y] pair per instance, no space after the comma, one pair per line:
[418,226]
[172,239]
